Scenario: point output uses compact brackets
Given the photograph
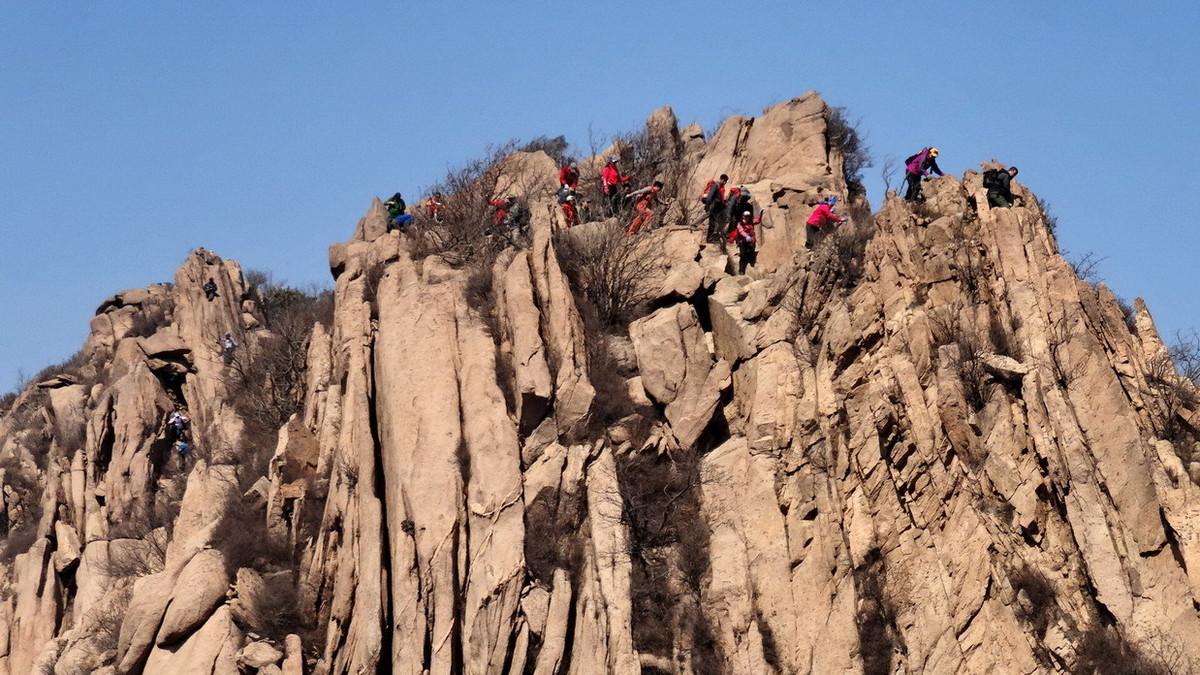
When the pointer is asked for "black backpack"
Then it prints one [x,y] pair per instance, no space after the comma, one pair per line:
[991,178]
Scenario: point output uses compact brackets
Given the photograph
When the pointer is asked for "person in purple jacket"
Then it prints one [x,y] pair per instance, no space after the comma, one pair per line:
[917,167]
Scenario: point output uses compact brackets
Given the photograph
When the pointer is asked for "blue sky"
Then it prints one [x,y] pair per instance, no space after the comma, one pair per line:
[132,132]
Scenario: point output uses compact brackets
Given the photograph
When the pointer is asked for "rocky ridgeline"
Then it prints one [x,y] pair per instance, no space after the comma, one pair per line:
[924,446]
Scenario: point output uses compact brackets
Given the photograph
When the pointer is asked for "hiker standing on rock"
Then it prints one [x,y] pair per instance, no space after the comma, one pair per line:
[821,216]
[397,218]
[568,208]
[999,187]
[611,182]
[568,176]
[746,239]
[210,289]
[739,204]
[714,204]
[917,167]
[646,200]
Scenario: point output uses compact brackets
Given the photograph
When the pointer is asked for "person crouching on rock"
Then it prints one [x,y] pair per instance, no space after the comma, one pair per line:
[999,187]
[570,215]
[746,239]
[210,289]
[397,218]
[821,217]
[917,167]
[646,199]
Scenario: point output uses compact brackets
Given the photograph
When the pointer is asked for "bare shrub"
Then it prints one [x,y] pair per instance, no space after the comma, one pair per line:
[466,228]
[1087,267]
[147,320]
[1047,215]
[948,329]
[149,528]
[844,137]
[1185,352]
[1066,367]
[612,271]
[1039,606]
[242,537]
[1173,395]
[1127,313]
[556,147]
[1104,651]
[371,278]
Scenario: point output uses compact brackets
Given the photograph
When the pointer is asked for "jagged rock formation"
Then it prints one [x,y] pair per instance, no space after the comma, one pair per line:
[922,446]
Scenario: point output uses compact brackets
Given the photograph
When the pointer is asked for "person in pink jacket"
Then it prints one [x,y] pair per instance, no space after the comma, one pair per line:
[821,217]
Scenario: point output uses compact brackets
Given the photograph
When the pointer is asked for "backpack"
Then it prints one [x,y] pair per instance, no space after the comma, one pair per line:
[991,178]
[909,160]
[707,189]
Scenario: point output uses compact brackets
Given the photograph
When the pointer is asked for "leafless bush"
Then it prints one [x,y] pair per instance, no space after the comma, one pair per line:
[1087,267]
[1185,352]
[844,137]
[371,278]
[349,471]
[147,553]
[1173,395]
[1047,215]
[280,303]
[888,172]
[1039,608]
[1128,314]
[466,228]
[1104,651]
[844,252]
[875,619]
[242,537]
[611,271]
[1066,367]
[556,147]
[947,329]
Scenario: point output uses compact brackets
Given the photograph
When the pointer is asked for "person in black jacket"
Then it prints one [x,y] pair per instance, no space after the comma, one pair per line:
[739,204]
[999,187]
[714,204]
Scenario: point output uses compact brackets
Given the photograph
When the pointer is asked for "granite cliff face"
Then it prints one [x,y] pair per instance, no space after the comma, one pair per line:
[922,446]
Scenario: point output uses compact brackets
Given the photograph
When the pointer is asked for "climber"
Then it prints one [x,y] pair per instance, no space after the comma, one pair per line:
[645,200]
[227,347]
[434,206]
[917,167]
[821,216]
[570,215]
[739,203]
[182,447]
[210,289]
[745,238]
[501,208]
[568,176]
[999,187]
[714,204]
[178,422]
[611,181]
[397,218]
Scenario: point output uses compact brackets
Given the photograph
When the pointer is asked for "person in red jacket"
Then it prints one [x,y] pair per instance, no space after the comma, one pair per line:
[569,213]
[646,199]
[568,176]
[746,239]
[434,206]
[501,209]
[821,216]
[611,181]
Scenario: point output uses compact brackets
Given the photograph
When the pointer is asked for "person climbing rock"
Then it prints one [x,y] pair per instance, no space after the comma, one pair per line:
[739,204]
[500,209]
[178,422]
[746,239]
[570,215]
[183,448]
[999,187]
[433,207]
[611,182]
[227,347]
[397,218]
[568,176]
[645,200]
[917,167]
[210,289]
[821,216]
[714,205]
[509,218]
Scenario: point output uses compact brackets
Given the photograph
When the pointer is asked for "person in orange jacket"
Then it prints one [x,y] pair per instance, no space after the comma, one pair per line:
[646,199]
[611,180]
[434,206]
[502,207]
[746,239]
[821,216]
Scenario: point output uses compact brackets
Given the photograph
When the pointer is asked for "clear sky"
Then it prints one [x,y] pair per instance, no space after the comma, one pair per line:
[131,132]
